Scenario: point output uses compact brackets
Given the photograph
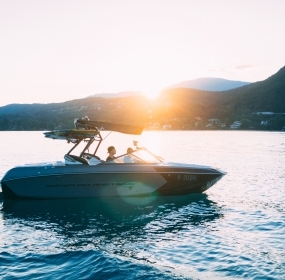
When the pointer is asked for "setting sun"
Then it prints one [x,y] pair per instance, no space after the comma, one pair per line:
[151,94]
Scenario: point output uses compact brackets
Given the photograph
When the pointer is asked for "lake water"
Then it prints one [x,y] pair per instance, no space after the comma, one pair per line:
[235,230]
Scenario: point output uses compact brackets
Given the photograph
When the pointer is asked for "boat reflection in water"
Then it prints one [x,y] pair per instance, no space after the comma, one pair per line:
[110,224]
[86,175]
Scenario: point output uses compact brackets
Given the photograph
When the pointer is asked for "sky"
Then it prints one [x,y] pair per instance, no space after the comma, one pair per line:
[58,50]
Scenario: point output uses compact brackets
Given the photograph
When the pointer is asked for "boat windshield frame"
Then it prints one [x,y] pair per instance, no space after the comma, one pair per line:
[141,155]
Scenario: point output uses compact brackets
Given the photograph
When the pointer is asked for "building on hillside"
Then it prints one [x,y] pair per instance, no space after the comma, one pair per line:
[213,123]
[166,126]
[155,126]
[213,120]
[209,125]
[264,113]
[235,125]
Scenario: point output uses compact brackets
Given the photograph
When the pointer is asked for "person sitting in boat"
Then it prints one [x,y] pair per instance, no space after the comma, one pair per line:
[112,152]
[128,158]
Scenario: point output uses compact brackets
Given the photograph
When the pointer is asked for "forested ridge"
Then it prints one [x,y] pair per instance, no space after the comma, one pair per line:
[178,108]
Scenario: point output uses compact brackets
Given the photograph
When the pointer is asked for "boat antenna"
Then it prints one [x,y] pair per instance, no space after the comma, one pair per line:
[108,135]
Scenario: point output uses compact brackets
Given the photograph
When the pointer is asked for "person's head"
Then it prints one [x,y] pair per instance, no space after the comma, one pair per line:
[111,150]
[129,150]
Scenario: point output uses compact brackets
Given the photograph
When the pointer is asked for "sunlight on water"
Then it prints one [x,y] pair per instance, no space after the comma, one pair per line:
[139,201]
[235,230]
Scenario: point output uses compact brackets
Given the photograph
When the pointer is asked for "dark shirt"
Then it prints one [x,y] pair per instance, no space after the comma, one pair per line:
[109,158]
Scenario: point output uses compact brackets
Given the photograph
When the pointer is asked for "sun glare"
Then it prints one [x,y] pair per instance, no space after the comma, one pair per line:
[151,93]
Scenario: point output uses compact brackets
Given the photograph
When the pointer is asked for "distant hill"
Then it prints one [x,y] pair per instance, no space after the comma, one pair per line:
[206,84]
[115,95]
[267,95]
[210,84]
[263,96]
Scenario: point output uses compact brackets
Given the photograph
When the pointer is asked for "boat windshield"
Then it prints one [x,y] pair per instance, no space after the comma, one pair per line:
[138,156]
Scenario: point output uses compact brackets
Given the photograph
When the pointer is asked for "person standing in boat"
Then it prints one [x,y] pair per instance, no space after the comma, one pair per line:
[112,152]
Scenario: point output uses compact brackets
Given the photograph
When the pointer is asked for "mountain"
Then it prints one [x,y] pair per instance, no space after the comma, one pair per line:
[210,84]
[114,95]
[207,84]
[263,96]
[246,104]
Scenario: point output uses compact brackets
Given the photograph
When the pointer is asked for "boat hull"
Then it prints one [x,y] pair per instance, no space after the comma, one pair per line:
[106,180]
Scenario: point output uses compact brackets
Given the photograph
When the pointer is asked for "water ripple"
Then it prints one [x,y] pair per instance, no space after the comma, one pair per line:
[234,231]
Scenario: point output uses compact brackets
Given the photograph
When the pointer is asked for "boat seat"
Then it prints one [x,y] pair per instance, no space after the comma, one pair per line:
[76,158]
[89,156]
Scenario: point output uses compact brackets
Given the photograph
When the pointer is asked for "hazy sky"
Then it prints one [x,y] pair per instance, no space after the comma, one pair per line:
[59,50]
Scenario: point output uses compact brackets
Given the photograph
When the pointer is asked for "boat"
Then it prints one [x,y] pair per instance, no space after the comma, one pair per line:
[85,175]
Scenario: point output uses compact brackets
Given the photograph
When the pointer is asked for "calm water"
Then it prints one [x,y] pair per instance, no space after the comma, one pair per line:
[236,230]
